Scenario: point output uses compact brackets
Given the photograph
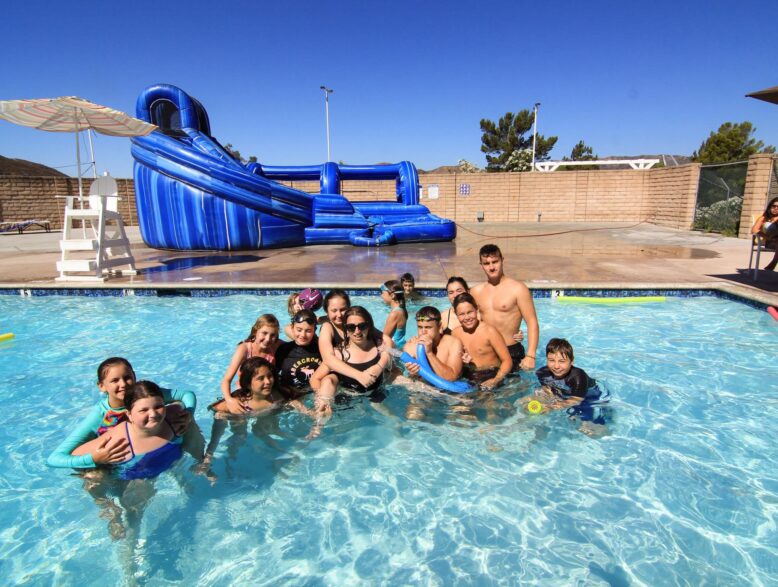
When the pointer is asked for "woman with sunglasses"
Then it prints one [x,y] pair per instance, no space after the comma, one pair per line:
[360,352]
[767,226]
[333,333]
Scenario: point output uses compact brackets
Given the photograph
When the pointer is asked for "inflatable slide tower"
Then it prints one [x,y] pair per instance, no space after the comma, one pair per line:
[192,195]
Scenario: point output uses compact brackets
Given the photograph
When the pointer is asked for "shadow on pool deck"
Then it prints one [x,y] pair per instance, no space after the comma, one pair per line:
[542,254]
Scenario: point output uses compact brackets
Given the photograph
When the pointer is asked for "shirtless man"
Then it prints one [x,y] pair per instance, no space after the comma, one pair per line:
[503,303]
[484,346]
[444,352]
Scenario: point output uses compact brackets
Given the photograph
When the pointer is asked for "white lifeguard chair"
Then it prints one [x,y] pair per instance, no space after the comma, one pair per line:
[100,246]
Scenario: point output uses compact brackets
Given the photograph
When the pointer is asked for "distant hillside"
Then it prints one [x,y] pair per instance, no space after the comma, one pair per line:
[22,167]
[442,169]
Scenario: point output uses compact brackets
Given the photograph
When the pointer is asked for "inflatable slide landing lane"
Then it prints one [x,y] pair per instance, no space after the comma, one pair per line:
[191,194]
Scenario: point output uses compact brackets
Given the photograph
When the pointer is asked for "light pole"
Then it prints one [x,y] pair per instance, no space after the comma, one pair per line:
[534,132]
[327,92]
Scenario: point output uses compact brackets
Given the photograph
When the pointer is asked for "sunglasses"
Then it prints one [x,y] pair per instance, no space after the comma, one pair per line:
[306,319]
[362,327]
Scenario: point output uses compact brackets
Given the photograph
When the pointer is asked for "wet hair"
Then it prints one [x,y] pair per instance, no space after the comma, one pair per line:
[428,313]
[249,368]
[464,298]
[397,292]
[561,346]
[455,279]
[490,251]
[407,277]
[102,369]
[263,320]
[290,301]
[141,390]
[304,316]
[336,293]
[767,213]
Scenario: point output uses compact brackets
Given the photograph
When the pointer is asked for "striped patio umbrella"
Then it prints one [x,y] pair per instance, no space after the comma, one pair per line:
[72,114]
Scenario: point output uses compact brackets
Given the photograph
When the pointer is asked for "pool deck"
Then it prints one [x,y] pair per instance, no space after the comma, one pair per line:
[544,255]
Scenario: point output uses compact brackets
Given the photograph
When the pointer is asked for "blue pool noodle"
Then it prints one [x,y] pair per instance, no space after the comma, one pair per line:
[429,375]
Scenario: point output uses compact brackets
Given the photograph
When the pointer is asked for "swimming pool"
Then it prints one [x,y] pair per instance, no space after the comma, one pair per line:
[683,491]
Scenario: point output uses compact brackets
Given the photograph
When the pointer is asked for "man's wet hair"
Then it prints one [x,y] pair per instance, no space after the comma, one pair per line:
[428,313]
[464,298]
[561,346]
[490,251]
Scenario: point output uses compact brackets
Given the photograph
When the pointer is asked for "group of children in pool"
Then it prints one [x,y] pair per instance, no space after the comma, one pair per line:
[138,426]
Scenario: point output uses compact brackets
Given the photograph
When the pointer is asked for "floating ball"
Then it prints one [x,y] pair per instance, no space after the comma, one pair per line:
[534,407]
[311,299]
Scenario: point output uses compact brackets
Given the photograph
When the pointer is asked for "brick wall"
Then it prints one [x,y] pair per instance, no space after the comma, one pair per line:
[28,198]
[661,196]
[755,192]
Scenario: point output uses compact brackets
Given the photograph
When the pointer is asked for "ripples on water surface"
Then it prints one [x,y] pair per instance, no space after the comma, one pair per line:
[683,490]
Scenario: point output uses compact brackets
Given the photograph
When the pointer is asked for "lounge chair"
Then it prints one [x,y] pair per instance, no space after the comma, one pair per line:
[21,225]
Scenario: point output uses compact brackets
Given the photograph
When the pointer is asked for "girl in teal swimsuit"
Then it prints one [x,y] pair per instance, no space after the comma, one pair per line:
[151,447]
[393,295]
[114,376]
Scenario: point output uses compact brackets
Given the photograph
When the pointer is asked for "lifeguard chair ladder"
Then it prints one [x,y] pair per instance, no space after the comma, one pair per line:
[96,249]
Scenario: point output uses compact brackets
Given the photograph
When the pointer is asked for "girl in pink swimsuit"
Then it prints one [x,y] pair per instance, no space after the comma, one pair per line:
[262,342]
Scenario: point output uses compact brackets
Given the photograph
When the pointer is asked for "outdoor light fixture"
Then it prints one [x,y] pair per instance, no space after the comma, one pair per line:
[327,92]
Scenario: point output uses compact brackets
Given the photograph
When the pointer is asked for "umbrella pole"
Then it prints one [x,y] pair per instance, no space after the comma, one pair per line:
[80,183]
[92,153]
[78,167]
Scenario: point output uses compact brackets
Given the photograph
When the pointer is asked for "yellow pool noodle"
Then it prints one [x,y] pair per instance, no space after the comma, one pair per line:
[6,336]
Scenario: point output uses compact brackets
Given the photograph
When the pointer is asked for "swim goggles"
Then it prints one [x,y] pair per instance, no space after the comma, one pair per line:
[425,319]
[306,319]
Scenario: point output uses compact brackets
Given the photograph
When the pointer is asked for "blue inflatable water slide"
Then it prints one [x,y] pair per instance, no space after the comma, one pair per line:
[191,194]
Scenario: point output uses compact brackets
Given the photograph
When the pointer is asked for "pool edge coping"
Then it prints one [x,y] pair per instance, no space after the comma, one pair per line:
[742,292]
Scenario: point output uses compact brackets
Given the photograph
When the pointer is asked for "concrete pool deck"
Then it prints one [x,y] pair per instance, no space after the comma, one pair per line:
[545,255]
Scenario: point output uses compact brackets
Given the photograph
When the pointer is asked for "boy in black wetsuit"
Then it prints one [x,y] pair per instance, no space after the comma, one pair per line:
[297,360]
[566,386]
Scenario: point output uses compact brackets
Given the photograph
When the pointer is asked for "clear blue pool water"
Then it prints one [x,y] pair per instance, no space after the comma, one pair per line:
[683,490]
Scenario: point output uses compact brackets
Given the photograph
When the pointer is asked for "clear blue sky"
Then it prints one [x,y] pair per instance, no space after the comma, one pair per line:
[411,79]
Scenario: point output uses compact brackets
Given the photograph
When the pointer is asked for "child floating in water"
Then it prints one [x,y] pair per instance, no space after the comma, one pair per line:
[255,396]
[293,306]
[308,299]
[409,287]
[149,445]
[392,293]
[153,444]
[257,389]
[297,360]
[262,341]
[486,354]
[566,386]
[114,376]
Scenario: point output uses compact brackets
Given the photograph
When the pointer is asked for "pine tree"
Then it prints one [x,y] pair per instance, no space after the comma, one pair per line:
[501,139]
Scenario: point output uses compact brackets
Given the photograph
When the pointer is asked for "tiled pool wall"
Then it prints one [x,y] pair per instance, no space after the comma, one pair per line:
[537,293]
